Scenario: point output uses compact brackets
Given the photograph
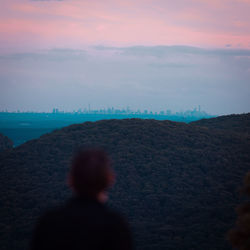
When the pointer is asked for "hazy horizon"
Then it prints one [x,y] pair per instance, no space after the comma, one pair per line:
[154,55]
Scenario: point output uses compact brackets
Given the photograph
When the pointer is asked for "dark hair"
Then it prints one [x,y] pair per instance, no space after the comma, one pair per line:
[91,172]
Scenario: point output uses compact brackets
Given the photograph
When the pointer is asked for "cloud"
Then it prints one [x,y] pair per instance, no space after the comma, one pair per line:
[58,54]
[163,51]
[72,23]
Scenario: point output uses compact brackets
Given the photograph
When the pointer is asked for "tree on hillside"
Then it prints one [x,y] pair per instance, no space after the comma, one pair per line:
[5,143]
[240,235]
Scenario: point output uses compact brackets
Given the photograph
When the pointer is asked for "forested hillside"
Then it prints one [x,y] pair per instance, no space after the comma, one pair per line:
[5,143]
[235,123]
[177,183]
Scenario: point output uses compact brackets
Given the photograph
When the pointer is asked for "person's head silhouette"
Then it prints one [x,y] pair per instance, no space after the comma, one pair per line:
[84,222]
[91,174]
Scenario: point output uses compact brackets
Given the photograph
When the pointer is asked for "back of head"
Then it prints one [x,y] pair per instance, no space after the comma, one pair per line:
[85,224]
[91,172]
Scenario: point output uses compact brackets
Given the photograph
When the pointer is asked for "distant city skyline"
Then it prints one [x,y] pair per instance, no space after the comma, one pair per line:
[114,110]
[117,110]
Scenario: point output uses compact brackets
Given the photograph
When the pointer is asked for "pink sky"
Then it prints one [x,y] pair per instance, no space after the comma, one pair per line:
[26,24]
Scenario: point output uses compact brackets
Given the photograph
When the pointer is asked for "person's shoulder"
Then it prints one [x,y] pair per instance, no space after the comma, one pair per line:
[117,218]
[51,214]
[114,214]
[120,231]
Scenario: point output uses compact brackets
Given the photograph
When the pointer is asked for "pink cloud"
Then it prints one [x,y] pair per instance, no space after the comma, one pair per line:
[46,24]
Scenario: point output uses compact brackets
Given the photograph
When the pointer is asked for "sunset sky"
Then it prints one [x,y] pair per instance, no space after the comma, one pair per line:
[155,54]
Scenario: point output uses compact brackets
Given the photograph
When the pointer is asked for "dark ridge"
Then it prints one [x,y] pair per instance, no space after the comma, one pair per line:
[234,122]
[177,182]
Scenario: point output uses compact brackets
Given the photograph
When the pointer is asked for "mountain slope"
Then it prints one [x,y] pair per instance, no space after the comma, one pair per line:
[234,123]
[177,182]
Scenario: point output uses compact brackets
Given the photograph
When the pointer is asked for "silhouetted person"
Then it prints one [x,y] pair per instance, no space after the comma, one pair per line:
[84,222]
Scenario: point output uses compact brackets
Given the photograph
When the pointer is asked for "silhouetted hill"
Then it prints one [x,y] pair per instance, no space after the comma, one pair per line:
[235,123]
[177,182]
[5,143]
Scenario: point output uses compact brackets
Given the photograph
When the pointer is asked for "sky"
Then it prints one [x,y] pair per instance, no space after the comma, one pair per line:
[145,54]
